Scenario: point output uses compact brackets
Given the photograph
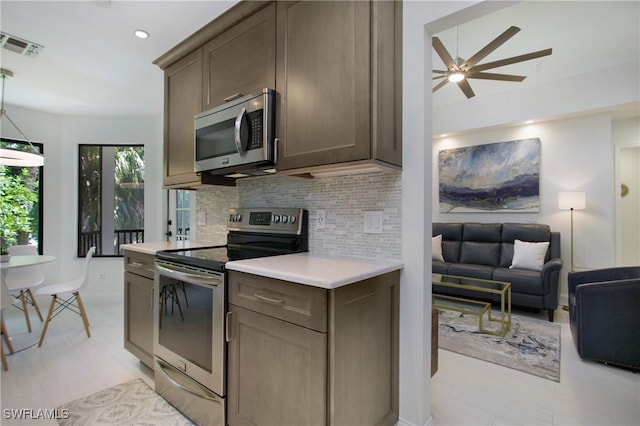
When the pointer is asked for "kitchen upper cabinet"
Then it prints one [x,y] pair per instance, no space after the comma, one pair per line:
[241,60]
[339,79]
[183,100]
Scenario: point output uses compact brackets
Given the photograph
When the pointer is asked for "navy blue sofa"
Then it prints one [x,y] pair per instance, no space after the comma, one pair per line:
[485,250]
[604,314]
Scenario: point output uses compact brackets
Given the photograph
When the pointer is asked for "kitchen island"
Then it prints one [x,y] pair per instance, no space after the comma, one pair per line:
[313,339]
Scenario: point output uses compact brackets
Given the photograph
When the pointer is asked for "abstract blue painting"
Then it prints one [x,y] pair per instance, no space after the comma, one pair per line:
[496,177]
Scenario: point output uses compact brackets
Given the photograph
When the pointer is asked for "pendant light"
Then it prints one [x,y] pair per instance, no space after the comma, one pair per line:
[15,157]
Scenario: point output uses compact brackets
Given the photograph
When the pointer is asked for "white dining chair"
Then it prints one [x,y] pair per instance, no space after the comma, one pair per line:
[70,290]
[23,280]
[6,301]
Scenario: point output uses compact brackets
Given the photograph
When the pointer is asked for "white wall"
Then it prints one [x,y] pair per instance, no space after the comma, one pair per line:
[576,155]
[626,138]
[61,136]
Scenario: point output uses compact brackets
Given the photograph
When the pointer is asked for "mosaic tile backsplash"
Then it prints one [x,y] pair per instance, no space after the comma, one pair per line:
[344,198]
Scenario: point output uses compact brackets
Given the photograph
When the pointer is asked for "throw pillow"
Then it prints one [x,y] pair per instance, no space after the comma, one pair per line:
[528,255]
[436,248]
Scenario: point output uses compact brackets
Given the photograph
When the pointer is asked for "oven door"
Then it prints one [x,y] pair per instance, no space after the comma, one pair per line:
[189,320]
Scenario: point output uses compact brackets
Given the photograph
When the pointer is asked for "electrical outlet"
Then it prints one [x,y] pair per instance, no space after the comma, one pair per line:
[321,219]
[373,222]
[202,218]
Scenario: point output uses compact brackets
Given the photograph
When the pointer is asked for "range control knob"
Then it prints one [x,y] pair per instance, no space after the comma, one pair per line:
[285,218]
[238,218]
[275,218]
[292,218]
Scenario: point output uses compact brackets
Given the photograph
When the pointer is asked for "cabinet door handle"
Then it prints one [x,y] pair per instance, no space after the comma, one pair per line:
[232,97]
[228,327]
[268,299]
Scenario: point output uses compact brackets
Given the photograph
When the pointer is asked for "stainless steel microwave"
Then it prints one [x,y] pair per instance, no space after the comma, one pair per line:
[237,138]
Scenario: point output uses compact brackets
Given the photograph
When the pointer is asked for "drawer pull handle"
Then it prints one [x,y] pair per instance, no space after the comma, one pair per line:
[268,299]
[136,264]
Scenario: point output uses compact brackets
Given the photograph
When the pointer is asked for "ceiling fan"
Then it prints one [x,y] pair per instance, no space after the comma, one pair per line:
[459,70]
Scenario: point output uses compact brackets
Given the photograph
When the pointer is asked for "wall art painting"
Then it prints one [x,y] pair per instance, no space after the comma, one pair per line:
[496,177]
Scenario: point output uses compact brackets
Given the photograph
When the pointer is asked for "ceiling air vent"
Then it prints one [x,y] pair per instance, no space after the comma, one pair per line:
[19,45]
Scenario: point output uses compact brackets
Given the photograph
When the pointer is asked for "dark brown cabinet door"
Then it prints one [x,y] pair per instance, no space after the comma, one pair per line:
[323,79]
[276,372]
[241,60]
[138,321]
[183,100]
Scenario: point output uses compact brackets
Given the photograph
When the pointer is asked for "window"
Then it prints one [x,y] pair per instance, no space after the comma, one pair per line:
[183,211]
[21,200]
[111,198]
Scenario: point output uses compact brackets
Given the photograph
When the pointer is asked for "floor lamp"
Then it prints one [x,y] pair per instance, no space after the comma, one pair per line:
[571,201]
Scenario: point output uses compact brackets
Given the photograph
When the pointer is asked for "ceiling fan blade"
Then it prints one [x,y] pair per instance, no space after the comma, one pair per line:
[444,55]
[438,77]
[512,60]
[440,71]
[493,76]
[497,42]
[440,85]
[466,88]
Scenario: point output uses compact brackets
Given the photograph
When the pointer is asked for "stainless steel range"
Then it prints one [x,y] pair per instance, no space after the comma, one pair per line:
[191,303]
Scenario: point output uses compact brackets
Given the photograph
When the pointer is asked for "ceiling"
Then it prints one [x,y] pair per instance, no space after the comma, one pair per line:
[93,65]
[585,36]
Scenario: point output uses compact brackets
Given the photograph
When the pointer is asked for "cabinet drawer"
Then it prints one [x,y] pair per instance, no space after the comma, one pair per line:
[296,303]
[139,263]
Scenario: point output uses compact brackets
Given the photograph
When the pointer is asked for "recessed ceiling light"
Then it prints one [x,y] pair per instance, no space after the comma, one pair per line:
[528,122]
[141,33]
[444,135]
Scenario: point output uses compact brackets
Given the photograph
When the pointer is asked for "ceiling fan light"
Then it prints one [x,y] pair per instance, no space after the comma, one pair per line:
[456,77]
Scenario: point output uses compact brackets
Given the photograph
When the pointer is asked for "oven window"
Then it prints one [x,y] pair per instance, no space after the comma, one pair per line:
[186,321]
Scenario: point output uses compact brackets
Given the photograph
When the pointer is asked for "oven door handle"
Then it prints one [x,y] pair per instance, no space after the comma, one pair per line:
[206,393]
[212,280]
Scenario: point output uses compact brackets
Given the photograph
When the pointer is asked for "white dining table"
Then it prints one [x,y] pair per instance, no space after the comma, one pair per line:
[22,340]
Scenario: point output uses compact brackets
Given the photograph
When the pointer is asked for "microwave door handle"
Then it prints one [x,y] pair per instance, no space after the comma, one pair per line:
[238,132]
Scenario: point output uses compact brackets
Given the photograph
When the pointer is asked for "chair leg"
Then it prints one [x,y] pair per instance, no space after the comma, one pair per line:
[46,322]
[83,314]
[5,366]
[34,303]
[23,299]
[5,337]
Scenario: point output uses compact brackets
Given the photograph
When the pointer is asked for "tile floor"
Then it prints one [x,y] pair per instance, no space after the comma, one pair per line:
[464,391]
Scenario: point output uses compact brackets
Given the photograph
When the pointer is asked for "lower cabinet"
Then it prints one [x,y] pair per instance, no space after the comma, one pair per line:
[138,306]
[302,355]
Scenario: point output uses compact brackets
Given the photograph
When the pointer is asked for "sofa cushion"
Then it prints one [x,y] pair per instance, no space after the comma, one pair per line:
[436,248]
[480,253]
[451,239]
[530,232]
[522,280]
[528,255]
[473,271]
[438,267]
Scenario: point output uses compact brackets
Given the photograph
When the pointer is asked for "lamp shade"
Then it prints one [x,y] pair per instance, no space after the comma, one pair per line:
[571,200]
[14,157]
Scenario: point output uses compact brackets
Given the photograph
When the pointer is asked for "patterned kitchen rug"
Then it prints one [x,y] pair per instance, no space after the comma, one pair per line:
[530,345]
[129,403]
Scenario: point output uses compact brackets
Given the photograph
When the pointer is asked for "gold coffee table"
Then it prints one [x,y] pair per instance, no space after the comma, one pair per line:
[476,307]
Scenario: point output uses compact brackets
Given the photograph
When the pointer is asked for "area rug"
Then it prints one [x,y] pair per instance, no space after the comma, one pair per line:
[129,403]
[531,346]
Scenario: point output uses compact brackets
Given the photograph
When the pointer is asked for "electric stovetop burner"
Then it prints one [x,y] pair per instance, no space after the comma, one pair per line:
[251,233]
[213,258]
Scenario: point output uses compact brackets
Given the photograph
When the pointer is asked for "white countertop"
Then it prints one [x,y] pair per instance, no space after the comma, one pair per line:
[315,270]
[152,248]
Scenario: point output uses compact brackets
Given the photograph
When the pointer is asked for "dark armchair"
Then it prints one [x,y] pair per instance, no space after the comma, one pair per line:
[604,313]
